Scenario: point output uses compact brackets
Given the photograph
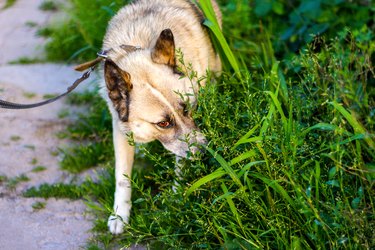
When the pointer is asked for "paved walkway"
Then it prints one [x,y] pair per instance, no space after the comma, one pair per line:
[28,139]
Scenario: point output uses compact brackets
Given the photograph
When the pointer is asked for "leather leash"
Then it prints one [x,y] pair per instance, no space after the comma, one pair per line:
[11,105]
[102,55]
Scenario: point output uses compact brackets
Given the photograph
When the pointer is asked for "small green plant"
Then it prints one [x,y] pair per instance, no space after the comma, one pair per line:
[26,60]
[15,138]
[45,32]
[38,169]
[31,147]
[38,205]
[63,113]
[59,190]
[34,161]
[48,5]
[49,96]
[3,178]
[11,183]
[9,3]
[29,95]
[31,24]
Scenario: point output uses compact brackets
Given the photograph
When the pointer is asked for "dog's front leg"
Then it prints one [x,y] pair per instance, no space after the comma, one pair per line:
[124,156]
[177,170]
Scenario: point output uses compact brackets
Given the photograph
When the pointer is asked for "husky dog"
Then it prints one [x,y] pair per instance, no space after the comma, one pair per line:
[143,85]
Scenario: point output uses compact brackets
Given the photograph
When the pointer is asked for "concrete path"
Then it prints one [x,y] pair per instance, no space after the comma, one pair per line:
[28,139]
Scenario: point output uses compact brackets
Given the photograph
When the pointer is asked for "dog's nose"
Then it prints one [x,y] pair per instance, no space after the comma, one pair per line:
[199,143]
[201,139]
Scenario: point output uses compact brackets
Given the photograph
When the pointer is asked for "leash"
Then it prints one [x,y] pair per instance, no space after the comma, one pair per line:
[91,65]
[11,105]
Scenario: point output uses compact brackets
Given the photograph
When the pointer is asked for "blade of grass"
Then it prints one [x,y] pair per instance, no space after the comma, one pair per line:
[217,174]
[231,205]
[242,157]
[275,186]
[325,127]
[278,107]
[246,136]
[358,128]
[212,23]
[226,167]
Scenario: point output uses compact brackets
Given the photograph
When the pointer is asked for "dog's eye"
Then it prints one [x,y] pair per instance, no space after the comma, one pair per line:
[165,124]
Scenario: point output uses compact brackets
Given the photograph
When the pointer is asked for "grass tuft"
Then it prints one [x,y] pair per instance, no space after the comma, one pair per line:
[9,3]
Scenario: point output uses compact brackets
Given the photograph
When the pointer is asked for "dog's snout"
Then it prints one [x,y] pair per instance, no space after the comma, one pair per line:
[187,145]
[197,149]
[197,143]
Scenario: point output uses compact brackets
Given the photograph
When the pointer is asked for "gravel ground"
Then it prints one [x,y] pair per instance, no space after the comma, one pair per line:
[28,139]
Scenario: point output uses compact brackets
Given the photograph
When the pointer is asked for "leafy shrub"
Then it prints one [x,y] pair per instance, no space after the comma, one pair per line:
[290,24]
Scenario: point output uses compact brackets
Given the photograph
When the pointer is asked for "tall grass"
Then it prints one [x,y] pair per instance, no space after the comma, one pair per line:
[290,160]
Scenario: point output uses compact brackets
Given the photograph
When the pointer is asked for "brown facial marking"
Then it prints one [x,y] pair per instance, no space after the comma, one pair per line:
[164,50]
[118,85]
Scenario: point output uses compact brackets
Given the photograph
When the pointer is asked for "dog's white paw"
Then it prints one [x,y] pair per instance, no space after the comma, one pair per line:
[116,223]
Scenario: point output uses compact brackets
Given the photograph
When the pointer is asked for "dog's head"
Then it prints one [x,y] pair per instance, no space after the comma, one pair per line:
[151,99]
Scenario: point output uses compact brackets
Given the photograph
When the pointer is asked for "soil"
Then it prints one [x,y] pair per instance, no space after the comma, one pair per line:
[28,139]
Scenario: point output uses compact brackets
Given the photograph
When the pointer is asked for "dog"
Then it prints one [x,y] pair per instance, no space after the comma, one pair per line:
[144,87]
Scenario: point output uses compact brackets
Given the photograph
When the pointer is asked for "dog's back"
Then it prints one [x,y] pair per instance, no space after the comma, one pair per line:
[141,22]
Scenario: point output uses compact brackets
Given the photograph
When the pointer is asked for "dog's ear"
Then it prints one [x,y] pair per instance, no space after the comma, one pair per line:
[164,50]
[119,85]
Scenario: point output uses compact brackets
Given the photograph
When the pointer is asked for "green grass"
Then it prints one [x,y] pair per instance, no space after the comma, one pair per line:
[11,183]
[38,205]
[38,169]
[48,5]
[9,3]
[27,60]
[15,138]
[290,123]
[56,191]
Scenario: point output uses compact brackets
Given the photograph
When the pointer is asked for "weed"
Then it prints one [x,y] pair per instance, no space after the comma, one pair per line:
[55,190]
[26,60]
[63,113]
[15,138]
[49,96]
[11,183]
[44,32]
[34,161]
[9,3]
[48,5]
[31,24]
[31,147]
[38,205]
[29,95]
[3,179]
[55,153]
[38,169]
